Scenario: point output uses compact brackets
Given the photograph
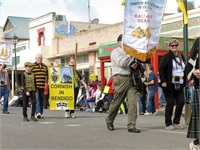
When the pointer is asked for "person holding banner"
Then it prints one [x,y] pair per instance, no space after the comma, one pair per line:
[4,87]
[77,78]
[194,125]
[173,81]
[121,70]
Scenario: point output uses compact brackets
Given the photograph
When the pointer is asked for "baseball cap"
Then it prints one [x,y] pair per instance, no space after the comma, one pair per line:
[26,64]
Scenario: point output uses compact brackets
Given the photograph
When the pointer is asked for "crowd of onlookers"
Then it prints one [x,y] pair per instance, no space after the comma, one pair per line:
[94,98]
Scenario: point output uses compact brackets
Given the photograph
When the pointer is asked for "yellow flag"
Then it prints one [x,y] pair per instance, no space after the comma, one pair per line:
[123,2]
[182,7]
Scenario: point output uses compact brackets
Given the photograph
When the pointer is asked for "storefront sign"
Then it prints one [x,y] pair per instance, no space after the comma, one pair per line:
[6,53]
[106,49]
[179,25]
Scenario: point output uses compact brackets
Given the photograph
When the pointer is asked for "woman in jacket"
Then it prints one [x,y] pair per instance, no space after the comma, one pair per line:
[173,79]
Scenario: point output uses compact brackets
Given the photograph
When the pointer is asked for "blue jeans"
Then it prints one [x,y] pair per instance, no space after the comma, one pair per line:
[161,95]
[142,103]
[4,91]
[89,100]
[39,101]
[151,108]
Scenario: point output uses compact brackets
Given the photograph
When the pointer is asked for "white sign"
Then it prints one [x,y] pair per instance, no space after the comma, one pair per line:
[6,53]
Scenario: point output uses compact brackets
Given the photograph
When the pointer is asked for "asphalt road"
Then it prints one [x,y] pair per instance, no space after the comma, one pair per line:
[86,132]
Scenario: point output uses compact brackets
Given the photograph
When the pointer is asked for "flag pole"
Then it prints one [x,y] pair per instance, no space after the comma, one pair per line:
[185,35]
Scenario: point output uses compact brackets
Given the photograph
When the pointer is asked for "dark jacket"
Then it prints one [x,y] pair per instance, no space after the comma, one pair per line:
[165,69]
[191,62]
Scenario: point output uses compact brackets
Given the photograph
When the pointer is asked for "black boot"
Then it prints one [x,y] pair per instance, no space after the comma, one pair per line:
[33,118]
[26,119]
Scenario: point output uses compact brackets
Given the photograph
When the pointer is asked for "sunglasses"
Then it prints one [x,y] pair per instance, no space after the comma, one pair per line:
[174,45]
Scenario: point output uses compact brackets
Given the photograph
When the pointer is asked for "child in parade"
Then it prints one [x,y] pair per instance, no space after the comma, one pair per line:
[29,91]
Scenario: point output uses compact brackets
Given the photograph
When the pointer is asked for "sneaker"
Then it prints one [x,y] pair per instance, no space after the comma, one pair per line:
[88,110]
[171,127]
[26,119]
[38,115]
[154,114]
[148,114]
[67,115]
[72,115]
[193,147]
[178,126]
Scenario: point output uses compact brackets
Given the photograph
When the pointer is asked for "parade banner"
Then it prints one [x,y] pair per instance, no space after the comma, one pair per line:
[6,53]
[142,22]
[61,88]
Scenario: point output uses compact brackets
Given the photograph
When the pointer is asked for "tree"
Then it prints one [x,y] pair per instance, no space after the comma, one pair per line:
[190,6]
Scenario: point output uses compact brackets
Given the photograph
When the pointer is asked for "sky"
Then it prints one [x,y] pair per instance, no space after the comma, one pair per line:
[107,11]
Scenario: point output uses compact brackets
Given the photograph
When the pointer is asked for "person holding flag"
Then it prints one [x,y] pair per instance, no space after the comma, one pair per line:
[121,64]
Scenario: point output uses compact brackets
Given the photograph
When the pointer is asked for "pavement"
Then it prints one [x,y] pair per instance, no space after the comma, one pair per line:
[87,132]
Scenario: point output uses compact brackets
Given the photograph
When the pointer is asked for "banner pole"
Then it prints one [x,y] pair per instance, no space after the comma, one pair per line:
[185,35]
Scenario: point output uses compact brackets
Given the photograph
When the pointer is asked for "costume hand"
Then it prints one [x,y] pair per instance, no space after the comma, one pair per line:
[197,73]
[164,84]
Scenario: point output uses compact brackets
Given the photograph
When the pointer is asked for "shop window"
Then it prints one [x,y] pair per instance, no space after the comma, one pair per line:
[82,59]
[41,37]
[67,60]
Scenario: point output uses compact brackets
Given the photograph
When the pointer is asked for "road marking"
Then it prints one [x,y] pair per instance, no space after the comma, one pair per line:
[73,125]
[46,122]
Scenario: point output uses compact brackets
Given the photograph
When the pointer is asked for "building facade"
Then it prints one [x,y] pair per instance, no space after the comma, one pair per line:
[90,44]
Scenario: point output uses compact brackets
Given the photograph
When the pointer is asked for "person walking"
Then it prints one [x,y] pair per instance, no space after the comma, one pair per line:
[152,84]
[109,97]
[173,80]
[29,91]
[41,75]
[143,95]
[121,70]
[4,87]
[77,78]
[194,125]
[161,96]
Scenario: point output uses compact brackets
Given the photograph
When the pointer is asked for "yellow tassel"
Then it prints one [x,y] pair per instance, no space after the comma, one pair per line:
[123,2]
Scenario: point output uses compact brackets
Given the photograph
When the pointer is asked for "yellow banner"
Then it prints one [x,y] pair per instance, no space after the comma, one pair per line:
[61,88]
[182,8]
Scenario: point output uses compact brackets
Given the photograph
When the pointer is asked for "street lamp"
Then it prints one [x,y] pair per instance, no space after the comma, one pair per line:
[15,40]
